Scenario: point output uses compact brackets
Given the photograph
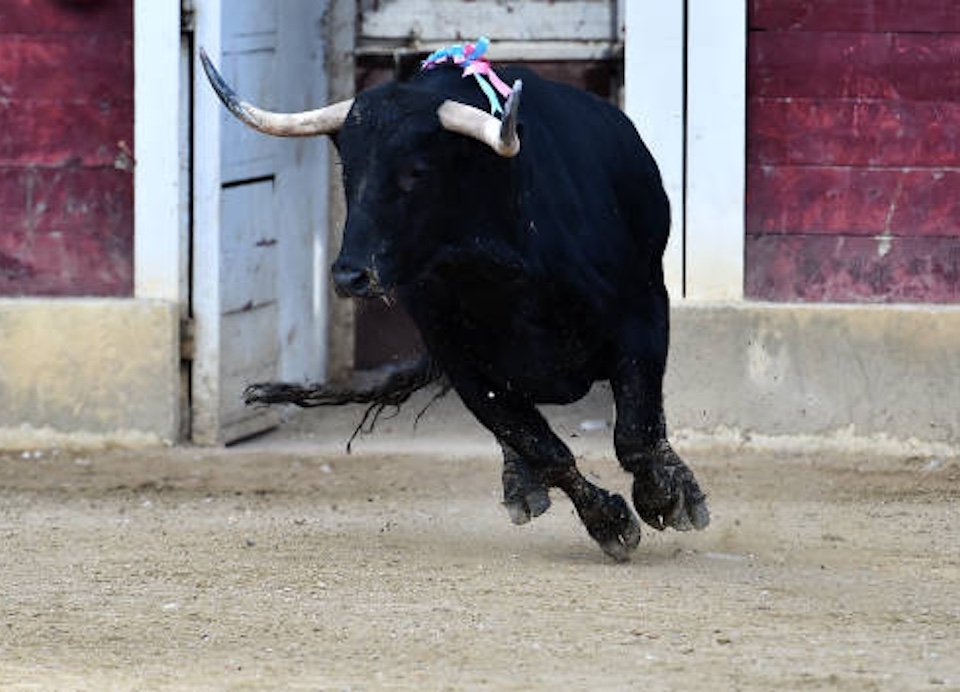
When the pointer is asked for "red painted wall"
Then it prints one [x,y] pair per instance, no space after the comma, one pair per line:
[66,137]
[853,151]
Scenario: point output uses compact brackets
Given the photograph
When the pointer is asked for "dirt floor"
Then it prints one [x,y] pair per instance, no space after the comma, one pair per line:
[285,564]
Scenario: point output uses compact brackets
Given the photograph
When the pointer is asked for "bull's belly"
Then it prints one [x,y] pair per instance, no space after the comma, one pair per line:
[545,345]
[547,368]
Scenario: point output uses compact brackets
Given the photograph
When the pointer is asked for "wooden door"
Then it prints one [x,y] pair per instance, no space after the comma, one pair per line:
[257,304]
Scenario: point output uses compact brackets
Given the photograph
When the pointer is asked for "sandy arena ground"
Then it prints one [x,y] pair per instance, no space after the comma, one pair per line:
[285,564]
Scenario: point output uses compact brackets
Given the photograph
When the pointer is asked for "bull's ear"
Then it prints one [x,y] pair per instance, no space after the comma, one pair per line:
[322,121]
[501,136]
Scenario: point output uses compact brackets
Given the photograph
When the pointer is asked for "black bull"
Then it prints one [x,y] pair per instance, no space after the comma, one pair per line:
[530,276]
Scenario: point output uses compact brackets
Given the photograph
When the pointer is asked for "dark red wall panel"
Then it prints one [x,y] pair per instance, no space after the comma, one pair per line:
[853,150]
[843,269]
[66,139]
[65,67]
[66,17]
[930,16]
[912,67]
[849,132]
[45,200]
[61,133]
[832,200]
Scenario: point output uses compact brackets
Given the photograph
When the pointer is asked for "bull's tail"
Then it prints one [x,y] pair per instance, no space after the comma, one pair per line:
[390,385]
[387,387]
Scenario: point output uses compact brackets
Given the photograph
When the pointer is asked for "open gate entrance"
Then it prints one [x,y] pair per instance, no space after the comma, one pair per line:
[259,208]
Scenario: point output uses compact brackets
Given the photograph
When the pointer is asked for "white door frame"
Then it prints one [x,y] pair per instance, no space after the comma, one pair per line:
[159,243]
[206,299]
[697,133]
[161,238]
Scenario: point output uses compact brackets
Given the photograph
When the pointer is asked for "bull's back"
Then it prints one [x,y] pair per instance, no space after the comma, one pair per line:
[592,182]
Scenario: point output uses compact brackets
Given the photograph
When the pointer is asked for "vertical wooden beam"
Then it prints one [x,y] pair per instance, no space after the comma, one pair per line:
[340,42]
[716,148]
[654,100]
[159,239]
[205,424]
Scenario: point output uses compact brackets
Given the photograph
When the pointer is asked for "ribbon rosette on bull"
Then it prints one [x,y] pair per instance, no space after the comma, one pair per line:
[471,57]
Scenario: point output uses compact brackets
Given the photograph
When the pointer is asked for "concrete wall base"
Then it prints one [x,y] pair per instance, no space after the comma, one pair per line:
[87,372]
[884,377]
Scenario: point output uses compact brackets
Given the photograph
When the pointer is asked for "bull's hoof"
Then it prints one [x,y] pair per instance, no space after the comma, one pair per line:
[666,494]
[524,495]
[612,525]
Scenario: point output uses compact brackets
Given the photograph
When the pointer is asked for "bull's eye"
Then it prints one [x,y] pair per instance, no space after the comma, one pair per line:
[412,174]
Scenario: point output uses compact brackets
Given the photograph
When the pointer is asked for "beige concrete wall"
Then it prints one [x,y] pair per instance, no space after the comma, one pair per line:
[882,376]
[88,371]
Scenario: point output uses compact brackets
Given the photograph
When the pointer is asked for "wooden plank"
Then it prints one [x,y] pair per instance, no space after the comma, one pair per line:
[503,51]
[915,67]
[853,269]
[854,132]
[853,201]
[245,152]
[516,20]
[45,17]
[57,263]
[65,200]
[205,421]
[931,16]
[251,353]
[53,133]
[36,67]
[249,246]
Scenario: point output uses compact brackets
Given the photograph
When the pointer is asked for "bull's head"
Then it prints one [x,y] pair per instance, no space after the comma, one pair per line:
[391,173]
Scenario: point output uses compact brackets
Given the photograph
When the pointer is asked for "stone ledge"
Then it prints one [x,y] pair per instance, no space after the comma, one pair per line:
[830,372]
[88,371]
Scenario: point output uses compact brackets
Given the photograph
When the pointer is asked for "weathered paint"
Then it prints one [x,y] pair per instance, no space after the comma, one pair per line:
[797,64]
[851,201]
[853,190]
[854,132]
[827,268]
[46,17]
[66,148]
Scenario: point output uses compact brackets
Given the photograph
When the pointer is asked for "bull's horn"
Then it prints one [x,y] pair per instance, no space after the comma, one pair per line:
[322,121]
[499,135]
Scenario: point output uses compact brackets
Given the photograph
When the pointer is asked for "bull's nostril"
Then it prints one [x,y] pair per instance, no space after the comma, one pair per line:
[351,282]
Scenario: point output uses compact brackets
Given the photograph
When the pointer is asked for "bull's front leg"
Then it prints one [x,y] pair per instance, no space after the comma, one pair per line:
[526,434]
[665,491]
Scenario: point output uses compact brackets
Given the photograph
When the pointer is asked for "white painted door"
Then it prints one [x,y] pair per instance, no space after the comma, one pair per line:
[260,225]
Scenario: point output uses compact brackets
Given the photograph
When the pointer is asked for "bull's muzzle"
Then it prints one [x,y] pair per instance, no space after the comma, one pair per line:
[353,282]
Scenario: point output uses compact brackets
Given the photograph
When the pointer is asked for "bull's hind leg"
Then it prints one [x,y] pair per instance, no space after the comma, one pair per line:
[665,491]
[520,428]
[524,495]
